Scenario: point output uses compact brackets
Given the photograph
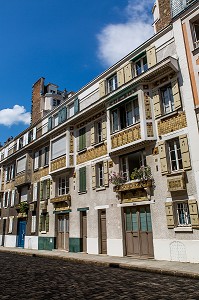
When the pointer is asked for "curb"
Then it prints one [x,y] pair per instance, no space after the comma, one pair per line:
[115,265]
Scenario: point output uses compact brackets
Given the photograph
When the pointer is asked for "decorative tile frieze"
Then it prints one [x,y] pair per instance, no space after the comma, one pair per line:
[93,118]
[41,173]
[125,137]
[62,198]
[58,164]
[22,179]
[149,128]
[92,153]
[147,106]
[176,183]
[172,123]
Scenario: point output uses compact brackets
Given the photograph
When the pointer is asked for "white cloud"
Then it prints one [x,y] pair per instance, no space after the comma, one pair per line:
[15,115]
[117,40]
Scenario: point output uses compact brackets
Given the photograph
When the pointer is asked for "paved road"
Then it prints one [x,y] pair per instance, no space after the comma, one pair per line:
[26,277]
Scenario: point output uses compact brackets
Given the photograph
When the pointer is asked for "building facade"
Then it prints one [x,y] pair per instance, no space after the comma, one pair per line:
[113,168]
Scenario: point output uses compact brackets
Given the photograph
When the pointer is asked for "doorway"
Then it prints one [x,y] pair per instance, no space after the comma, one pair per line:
[63,232]
[102,232]
[21,232]
[83,230]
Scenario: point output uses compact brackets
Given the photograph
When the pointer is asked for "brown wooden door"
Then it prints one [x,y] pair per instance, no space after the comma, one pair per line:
[84,230]
[103,233]
[63,232]
[138,231]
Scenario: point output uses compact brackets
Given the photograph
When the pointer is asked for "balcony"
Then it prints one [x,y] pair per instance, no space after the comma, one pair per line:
[176,182]
[24,178]
[61,203]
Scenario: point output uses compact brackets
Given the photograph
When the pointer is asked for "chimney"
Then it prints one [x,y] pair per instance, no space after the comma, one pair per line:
[37,92]
[162,14]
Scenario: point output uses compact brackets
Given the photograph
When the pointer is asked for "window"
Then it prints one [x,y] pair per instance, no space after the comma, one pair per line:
[41,158]
[12,201]
[58,147]
[167,98]
[141,65]
[98,131]
[21,164]
[44,223]
[99,175]
[63,186]
[33,222]
[6,199]
[55,120]
[130,162]
[35,191]
[82,179]
[175,155]
[45,189]
[82,138]
[56,102]
[46,156]
[112,83]
[21,142]
[183,216]
[195,27]
[30,136]
[125,115]
[10,172]
[71,110]
[24,194]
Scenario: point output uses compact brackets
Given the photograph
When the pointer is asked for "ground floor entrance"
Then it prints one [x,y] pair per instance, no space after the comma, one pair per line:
[21,232]
[83,230]
[63,232]
[138,231]
[4,232]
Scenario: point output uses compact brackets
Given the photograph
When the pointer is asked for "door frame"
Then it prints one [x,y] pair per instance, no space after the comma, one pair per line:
[65,219]
[83,214]
[20,220]
[100,212]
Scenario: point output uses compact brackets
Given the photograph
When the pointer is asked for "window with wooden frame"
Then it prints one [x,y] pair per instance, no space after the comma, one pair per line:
[44,222]
[174,155]
[45,189]
[98,131]
[63,185]
[129,162]
[182,214]
[11,221]
[100,176]
[112,83]
[166,98]
[6,198]
[33,222]
[141,65]
[125,115]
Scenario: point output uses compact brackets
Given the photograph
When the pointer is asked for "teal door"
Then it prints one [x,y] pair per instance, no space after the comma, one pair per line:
[21,233]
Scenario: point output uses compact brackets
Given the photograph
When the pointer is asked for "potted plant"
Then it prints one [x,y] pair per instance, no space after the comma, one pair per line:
[23,207]
[116,179]
[142,174]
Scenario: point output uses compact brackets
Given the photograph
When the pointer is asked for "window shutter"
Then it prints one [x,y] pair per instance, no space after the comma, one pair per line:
[64,114]
[16,197]
[106,175]
[82,179]
[185,152]
[82,138]
[102,88]
[40,222]
[12,198]
[41,190]
[163,157]
[48,188]
[193,211]
[128,72]
[151,57]
[156,103]
[104,129]
[47,222]
[50,123]
[9,198]
[35,191]
[176,93]
[93,169]
[76,106]
[93,134]
[120,76]
[169,214]
[6,174]
[58,147]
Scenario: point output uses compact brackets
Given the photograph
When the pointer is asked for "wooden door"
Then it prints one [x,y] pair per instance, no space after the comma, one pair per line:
[103,233]
[21,232]
[84,231]
[63,232]
[138,231]
[4,232]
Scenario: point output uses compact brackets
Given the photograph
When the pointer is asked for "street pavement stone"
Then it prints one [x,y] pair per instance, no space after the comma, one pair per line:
[39,278]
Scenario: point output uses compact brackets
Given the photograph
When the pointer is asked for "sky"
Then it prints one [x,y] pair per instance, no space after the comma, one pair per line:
[68,42]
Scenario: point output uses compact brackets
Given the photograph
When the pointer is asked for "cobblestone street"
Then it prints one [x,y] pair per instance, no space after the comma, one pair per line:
[28,277]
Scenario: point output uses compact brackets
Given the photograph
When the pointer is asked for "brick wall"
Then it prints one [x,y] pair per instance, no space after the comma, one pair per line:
[165,14]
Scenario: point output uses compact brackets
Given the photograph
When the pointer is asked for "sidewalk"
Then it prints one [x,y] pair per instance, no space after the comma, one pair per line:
[189,270]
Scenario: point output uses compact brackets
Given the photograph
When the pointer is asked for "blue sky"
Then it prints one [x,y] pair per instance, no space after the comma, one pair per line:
[67,42]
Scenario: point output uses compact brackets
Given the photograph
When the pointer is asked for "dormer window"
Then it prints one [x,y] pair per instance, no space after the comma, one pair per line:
[195,26]
[141,65]
[112,83]
[56,102]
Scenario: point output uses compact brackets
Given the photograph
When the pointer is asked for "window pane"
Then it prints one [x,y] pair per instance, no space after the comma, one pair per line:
[134,220]
[128,220]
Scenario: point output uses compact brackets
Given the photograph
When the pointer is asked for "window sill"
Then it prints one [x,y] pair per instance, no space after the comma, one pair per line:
[43,232]
[177,172]
[99,144]
[80,193]
[82,151]
[101,188]
[168,115]
[183,229]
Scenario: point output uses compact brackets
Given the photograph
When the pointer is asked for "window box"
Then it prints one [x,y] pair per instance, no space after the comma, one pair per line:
[133,184]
